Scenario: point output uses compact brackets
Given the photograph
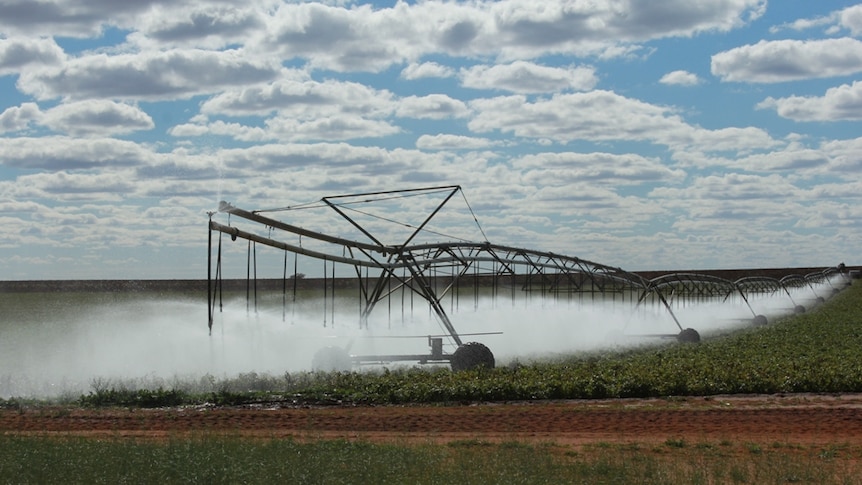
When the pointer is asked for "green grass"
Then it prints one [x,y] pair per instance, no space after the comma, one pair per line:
[233,460]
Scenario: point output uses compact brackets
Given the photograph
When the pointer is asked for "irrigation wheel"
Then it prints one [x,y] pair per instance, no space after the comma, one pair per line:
[329,359]
[688,336]
[759,321]
[470,356]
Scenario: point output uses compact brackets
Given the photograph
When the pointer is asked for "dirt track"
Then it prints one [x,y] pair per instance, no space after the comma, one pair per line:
[804,419]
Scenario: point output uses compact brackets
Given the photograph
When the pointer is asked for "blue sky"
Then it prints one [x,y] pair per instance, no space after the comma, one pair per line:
[646,135]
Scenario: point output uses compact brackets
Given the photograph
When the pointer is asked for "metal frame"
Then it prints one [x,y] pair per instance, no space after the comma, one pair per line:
[433,270]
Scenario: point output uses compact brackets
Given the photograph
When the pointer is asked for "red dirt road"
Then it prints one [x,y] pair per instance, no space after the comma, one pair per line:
[804,419]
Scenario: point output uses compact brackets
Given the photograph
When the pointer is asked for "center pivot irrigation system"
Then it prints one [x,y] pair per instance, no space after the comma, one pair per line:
[435,271]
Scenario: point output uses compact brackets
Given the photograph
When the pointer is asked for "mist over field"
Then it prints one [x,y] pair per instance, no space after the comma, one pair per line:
[65,344]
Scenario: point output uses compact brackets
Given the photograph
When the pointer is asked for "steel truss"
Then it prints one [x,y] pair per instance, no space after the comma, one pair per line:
[690,287]
[434,270]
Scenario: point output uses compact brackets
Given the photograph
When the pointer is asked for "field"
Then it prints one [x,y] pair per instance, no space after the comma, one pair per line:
[774,404]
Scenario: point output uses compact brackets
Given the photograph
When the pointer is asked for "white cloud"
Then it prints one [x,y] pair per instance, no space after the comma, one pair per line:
[18,118]
[340,39]
[849,18]
[845,156]
[288,129]
[527,77]
[594,168]
[452,142]
[175,74]
[302,99]
[576,134]
[426,70]
[526,29]
[64,185]
[96,118]
[839,103]
[76,18]
[329,129]
[65,153]
[789,60]
[19,53]
[604,115]
[680,78]
[222,128]
[730,186]
[434,106]
[366,39]
[197,25]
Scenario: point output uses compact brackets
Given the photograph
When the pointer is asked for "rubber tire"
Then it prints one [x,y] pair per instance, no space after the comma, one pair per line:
[472,355]
[759,321]
[688,336]
[331,359]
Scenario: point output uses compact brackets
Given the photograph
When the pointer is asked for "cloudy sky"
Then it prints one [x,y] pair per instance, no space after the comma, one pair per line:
[641,134]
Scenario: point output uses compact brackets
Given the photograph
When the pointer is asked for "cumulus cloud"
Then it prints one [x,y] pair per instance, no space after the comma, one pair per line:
[452,142]
[849,18]
[842,103]
[680,78]
[602,168]
[433,106]
[426,70]
[75,18]
[303,99]
[64,185]
[527,77]
[343,39]
[789,60]
[283,99]
[526,29]
[18,53]
[368,39]
[19,118]
[65,153]
[732,197]
[96,118]
[174,74]
[288,129]
[198,25]
[605,115]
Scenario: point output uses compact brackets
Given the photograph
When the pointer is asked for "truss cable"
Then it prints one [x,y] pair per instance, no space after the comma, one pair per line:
[307,205]
[405,224]
[484,237]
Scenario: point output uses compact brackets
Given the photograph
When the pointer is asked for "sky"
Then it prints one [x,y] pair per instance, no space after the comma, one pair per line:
[671,135]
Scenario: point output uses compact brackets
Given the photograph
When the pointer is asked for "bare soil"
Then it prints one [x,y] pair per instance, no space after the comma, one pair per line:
[803,419]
